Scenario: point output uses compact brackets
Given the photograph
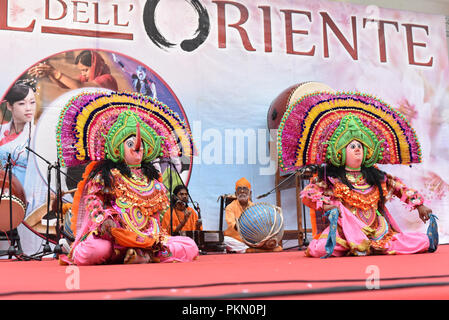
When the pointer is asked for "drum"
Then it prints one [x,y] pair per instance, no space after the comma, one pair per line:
[67,230]
[18,201]
[37,222]
[286,98]
[261,226]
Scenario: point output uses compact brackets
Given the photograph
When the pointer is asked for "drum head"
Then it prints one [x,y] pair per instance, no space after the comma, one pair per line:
[289,96]
[261,226]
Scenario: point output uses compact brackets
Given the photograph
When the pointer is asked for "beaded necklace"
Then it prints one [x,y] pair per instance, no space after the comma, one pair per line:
[357,180]
[149,196]
[360,198]
[137,174]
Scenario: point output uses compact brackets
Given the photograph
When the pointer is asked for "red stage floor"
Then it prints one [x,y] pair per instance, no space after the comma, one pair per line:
[284,275]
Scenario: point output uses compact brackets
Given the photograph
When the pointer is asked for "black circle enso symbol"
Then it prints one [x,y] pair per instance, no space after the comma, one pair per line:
[187,45]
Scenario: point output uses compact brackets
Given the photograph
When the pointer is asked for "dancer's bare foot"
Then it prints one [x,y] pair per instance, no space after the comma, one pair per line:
[136,256]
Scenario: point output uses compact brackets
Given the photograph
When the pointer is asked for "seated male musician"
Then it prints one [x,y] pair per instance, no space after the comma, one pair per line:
[233,211]
[184,217]
[232,239]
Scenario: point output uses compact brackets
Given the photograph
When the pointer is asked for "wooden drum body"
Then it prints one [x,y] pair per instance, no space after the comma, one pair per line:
[18,202]
[261,226]
[289,96]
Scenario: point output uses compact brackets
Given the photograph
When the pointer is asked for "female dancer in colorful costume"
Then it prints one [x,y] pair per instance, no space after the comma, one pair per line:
[117,205]
[344,136]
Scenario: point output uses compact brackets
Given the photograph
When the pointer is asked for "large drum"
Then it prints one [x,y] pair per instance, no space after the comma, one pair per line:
[289,96]
[261,226]
[38,219]
[18,201]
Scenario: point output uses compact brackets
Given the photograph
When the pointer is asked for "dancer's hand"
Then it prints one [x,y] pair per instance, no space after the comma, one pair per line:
[106,226]
[424,212]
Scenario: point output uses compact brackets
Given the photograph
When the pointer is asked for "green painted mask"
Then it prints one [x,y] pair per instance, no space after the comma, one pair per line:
[352,128]
[122,129]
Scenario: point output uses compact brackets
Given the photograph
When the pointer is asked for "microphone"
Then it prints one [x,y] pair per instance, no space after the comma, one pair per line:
[161,161]
[181,203]
[308,170]
[196,205]
[263,195]
[304,172]
[9,160]
[178,200]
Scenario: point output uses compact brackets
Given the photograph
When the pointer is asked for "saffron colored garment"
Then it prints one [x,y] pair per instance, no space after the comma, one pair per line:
[133,205]
[178,215]
[232,239]
[363,228]
[233,211]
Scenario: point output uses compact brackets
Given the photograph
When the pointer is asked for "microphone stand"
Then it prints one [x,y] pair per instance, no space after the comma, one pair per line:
[196,207]
[303,171]
[12,251]
[56,164]
[58,250]
[171,202]
[277,186]
[46,247]
[306,241]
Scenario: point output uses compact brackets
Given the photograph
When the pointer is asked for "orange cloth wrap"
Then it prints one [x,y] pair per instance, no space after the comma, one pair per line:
[130,239]
[79,192]
[242,183]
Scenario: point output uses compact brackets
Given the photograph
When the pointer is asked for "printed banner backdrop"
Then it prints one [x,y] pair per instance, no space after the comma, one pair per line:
[220,64]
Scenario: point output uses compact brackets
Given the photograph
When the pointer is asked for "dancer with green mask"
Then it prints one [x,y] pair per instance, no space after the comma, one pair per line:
[343,136]
[117,205]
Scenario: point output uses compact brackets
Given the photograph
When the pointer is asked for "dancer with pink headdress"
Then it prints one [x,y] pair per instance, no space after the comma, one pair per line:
[343,136]
[117,205]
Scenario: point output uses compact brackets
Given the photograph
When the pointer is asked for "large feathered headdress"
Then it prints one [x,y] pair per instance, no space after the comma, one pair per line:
[316,129]
[92,126]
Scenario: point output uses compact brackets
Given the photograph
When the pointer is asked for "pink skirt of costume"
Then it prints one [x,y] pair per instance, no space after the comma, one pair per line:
[355,241]
[93,251]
